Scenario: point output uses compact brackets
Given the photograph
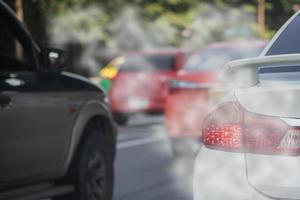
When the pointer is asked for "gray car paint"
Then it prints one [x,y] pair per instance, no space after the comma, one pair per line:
[44,122]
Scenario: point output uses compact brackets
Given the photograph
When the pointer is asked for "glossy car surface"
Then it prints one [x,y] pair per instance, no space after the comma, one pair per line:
[251,139]
[195,88]
[44,118]
[141,85]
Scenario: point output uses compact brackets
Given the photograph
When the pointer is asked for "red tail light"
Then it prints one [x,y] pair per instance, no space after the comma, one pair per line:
[231,128]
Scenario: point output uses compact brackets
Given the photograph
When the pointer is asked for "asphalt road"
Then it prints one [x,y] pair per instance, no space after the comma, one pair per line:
[146,168]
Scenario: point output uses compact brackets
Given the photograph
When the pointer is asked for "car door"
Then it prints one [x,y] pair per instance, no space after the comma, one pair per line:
[35,120]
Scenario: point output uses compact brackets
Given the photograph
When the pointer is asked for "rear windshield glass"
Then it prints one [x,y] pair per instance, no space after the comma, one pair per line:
[287,43]
[215,58]
[148,63]
[285,74]
[289,40]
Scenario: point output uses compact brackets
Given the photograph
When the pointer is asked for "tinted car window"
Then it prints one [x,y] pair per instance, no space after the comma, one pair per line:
[289,41]
[148,63]
[279,69]
[12,56]
[286,74]
[214,58]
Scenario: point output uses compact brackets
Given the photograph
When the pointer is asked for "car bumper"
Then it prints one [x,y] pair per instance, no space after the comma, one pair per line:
[222,175]
[149,106]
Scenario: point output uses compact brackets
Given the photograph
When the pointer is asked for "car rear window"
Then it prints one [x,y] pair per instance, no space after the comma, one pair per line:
[215,58]
[148,63]
[289,41]
[286,74]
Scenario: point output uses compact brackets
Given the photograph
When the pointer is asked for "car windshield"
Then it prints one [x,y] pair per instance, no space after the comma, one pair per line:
[214,58]
[148,63]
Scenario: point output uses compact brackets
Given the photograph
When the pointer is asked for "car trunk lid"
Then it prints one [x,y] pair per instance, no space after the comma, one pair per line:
[274,94]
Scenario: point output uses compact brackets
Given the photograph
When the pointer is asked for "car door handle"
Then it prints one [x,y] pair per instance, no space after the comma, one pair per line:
[5,100]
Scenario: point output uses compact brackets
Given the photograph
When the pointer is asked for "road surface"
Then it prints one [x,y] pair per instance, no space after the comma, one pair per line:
[146,168]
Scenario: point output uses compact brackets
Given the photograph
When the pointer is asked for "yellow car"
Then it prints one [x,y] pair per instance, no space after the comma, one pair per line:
[110,71]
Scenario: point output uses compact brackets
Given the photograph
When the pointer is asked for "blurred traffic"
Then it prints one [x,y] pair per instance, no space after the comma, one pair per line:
[141,84]
[196,87]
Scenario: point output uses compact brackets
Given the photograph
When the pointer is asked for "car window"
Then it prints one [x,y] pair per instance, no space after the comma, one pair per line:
[206,59]
[289,41]
[286,74]
[12,56]
[148,63]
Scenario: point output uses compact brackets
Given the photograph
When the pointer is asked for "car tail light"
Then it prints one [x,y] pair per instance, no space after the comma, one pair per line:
[174,90]
[231,128]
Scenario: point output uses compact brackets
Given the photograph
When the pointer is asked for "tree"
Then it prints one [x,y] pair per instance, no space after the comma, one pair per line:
[261,14]
[106,27]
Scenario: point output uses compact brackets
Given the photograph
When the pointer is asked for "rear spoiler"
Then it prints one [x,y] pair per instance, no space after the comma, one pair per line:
[245,71]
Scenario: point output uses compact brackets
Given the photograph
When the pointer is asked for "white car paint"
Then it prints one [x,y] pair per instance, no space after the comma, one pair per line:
[246,176]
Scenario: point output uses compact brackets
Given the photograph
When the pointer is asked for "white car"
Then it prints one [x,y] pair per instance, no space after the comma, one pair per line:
[251,140]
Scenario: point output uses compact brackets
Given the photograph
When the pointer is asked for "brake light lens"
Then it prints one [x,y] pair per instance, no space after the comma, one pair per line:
[231,128]
[223,132]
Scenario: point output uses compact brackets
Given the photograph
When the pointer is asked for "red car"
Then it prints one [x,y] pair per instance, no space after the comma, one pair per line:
[141,84]
[195,87]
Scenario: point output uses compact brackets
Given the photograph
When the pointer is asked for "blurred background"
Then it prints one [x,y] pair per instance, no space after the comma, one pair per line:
[159,61]
[95,31]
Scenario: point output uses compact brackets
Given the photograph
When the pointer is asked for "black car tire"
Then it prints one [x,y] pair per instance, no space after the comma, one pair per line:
[92,169]
[121,118]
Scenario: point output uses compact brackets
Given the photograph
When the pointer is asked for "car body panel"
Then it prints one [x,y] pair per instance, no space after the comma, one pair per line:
[88,111]
[274,176]
[221,175]
[247,175]
[267,99]
[52,102]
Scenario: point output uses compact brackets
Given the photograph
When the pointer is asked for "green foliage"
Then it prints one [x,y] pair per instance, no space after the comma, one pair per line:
[116,26]
[179,12]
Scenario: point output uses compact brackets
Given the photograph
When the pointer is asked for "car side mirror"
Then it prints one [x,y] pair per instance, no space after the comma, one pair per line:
[54,60]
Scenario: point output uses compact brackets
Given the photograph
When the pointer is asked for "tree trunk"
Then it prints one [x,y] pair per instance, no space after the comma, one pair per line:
[261,17]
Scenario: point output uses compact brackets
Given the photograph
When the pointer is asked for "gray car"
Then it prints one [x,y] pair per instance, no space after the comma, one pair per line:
[57,134]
